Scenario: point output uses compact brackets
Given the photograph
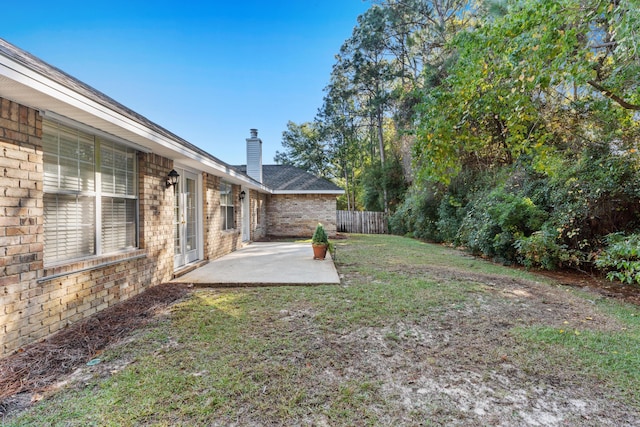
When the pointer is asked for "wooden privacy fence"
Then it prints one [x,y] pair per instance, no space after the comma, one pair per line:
[361,222]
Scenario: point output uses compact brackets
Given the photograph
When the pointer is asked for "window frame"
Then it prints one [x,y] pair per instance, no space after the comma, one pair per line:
[227,205]
[102,198]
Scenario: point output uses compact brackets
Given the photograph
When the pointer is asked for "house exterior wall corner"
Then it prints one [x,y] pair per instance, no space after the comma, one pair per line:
[296,215]
[258,211]
[21,226]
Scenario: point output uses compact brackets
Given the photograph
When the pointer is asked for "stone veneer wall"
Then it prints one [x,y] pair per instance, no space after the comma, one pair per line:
[39,300]
[218,242]
[296,215]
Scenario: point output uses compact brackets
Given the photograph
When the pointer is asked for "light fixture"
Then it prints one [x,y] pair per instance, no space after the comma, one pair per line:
[242,194]
[172,178]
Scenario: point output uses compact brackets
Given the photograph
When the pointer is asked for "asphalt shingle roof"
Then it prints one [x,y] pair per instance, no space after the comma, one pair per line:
[291,178]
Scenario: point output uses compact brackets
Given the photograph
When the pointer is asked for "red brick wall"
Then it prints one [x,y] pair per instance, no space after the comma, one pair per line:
[296,215]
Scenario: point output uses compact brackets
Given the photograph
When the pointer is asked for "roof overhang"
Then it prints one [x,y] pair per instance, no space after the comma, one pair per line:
[325,192]
[28,87]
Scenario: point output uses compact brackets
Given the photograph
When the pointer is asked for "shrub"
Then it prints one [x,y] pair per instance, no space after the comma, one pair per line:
[418,214]
[478,230]
[595,195]
[399,220]
[450,214]
[543,250]
[621,258]
[496,221]
[320,236]
[453,206]
[551,217]
[378,178]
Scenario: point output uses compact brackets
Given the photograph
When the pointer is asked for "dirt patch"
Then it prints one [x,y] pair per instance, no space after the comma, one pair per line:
[32,371]
[599,285]
[529,300]
[461,366]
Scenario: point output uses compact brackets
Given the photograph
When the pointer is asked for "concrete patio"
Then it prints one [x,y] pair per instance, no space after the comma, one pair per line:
[265,264]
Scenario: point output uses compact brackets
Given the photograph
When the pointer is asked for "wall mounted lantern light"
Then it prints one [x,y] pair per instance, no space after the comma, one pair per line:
[172,178]
[242,194]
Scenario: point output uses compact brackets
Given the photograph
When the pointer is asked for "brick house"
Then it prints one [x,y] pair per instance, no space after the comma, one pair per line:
[88,215]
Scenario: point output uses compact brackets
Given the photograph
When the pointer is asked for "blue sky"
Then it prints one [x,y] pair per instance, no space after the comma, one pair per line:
[207,71]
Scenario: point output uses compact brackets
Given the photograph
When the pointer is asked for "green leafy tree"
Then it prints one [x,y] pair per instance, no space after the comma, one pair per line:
[342,132]
[363,58]
[547,75]
[377,178]
[305,148]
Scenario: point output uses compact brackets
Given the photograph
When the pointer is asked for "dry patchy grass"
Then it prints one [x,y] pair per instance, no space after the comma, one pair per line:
[417,334]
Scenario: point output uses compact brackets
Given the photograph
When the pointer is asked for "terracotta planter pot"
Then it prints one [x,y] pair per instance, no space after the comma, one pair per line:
[319,251]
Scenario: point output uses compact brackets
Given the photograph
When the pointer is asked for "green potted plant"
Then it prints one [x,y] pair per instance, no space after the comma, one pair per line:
[320,243]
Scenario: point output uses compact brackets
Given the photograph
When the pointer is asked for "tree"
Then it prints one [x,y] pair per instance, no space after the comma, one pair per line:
[365,62]
[546,76]
[341,131]
[305,148]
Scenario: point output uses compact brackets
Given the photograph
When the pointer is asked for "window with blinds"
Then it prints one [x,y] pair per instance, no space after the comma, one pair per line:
[90,194]
[119,196]
[227,210]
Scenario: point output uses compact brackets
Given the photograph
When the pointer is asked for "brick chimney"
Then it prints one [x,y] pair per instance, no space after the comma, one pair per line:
[254,156]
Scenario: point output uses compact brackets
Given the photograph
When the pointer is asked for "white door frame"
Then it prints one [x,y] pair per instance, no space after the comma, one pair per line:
[184,257]
[245,212]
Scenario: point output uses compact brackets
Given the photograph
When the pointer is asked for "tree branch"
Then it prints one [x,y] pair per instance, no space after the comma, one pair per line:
[606,92]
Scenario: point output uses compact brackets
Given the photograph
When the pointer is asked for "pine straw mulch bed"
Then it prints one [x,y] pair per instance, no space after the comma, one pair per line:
[40,365]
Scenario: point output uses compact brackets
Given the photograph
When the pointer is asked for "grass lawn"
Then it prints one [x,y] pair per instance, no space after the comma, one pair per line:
[417,334]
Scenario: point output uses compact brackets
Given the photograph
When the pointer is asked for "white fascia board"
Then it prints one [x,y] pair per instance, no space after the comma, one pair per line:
[235,177]
[42,84]
[335,192]
[32,79]
[46,114]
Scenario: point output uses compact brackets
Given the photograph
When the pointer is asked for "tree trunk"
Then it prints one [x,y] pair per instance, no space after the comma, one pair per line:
[346,183]
[382,157]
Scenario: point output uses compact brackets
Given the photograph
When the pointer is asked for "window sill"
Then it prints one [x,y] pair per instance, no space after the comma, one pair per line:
[78,266]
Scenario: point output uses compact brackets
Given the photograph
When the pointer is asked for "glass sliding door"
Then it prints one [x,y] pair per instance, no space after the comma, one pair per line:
[187,202]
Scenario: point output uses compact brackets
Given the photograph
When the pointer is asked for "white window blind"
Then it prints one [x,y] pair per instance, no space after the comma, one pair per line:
[118,223]
[69,227]
[117,165]
[85,175]
[227,211]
